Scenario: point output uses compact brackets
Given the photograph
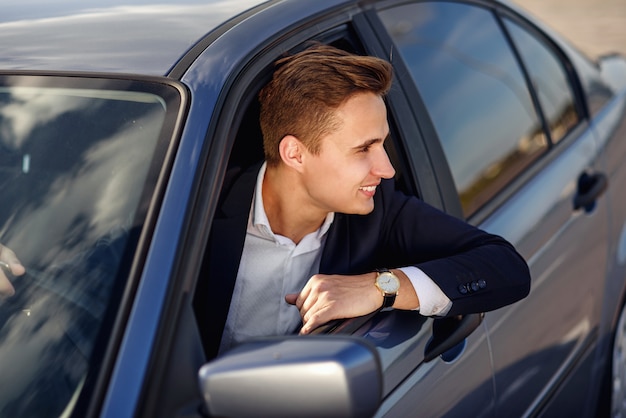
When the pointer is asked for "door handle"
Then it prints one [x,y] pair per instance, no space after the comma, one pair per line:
[590,187]
[450,332]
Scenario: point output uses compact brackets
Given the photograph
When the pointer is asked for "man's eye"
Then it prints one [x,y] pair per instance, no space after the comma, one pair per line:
[364,149]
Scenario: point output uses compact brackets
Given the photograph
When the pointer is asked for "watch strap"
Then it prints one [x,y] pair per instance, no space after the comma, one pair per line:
[388,300]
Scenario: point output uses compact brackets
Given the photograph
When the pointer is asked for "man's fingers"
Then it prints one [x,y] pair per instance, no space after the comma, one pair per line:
[10,266]
[306,306]
[295,299]
[314,320]
[12,269]
[309,325]
[10,262]
[291,298]
[6,269]
[6,288]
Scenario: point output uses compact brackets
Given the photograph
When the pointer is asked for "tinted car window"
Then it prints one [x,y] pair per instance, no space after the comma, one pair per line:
[78,169]
[474,91]
[549,80]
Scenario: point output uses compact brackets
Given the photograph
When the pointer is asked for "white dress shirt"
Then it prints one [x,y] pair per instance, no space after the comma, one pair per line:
[272,266]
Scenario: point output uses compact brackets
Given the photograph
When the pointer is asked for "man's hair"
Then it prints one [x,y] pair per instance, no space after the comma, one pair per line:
[308,87]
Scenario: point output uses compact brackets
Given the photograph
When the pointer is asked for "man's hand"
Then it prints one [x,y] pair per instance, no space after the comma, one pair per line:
[9,265]
[328,297]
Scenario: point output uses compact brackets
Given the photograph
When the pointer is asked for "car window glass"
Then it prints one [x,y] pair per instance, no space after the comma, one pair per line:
[549,80]
[474,92]
[78,167]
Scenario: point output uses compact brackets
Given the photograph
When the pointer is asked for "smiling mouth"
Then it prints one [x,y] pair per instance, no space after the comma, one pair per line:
[369,189]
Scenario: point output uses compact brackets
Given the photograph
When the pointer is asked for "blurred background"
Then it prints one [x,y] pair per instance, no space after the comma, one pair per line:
[596,27]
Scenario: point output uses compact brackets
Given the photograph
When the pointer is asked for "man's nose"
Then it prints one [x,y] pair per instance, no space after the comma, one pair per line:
[382,165]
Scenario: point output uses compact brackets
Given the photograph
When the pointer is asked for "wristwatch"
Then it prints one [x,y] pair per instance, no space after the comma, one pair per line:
[389,284]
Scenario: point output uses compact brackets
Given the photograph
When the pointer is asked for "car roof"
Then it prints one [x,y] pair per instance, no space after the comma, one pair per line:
[120,36]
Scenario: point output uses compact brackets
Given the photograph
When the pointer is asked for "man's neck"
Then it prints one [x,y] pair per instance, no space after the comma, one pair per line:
[286,205]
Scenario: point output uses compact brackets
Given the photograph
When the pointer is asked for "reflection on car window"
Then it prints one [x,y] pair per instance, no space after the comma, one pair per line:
[549,81]
[75,167]
[474,91]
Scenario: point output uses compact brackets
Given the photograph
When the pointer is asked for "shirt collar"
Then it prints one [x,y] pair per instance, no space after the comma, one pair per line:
[259,217]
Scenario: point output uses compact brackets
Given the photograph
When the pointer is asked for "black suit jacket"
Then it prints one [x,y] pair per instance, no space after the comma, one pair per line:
[478,271]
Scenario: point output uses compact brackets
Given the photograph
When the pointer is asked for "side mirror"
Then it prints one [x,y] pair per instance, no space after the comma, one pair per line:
[613,68]
[310,376]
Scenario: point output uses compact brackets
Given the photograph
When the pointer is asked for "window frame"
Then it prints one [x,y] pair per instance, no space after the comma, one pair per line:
[216,155]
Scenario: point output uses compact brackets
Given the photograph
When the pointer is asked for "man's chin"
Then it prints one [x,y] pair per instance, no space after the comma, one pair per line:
[361,210]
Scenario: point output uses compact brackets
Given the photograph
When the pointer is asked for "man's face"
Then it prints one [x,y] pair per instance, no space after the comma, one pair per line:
[343,177]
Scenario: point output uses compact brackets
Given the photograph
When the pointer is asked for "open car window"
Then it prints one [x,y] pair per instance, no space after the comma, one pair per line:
[79,164]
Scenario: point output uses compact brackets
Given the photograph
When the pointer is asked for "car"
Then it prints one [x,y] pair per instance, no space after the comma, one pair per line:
[120,119]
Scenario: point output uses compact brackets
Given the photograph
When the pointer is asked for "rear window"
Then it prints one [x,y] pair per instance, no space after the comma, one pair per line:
[79,162]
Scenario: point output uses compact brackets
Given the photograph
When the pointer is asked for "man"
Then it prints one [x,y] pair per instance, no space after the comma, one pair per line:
[308,235]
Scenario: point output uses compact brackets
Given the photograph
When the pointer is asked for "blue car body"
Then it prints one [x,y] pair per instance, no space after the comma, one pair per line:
[552,354]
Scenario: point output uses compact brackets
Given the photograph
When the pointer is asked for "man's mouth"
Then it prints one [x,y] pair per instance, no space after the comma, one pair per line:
[368,189]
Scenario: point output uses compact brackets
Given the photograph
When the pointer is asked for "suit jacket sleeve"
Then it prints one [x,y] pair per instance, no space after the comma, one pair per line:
[478,271]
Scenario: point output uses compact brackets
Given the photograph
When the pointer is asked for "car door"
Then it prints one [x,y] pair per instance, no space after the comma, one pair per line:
[520,158]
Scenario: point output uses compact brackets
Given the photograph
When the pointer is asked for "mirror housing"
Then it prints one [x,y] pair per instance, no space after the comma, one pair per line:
[305,376]
[613,69]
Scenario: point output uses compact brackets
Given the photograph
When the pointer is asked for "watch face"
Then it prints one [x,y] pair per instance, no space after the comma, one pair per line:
[388,282]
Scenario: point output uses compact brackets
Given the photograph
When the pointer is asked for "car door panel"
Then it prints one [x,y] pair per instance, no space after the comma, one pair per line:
[609,127]
[538,341]
[413,387]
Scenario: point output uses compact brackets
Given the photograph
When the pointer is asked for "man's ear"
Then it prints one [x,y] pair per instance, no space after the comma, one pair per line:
[291,150]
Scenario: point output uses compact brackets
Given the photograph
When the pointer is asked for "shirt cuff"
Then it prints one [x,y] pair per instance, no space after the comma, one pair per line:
[432,299]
